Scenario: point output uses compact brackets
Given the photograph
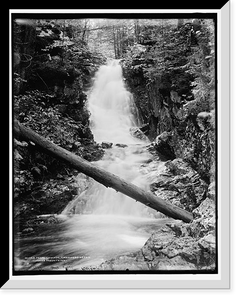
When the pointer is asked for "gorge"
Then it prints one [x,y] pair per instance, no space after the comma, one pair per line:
[146,131]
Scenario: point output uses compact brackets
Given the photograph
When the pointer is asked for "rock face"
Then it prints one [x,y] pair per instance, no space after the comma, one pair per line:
[106,145]
[181,125]
[179,184]
[184,134]
[162,145]
[138,133]
[177,246]
[192,139]
[174,249]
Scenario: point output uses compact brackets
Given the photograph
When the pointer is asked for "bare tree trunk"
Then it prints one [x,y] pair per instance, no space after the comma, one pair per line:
[114,38]
[106,178]
[85,29]
[137,30]
[118,42]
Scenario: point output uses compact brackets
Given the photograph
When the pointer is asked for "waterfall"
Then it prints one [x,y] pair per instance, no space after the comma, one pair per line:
[101,223]
[111,106]
[111,114]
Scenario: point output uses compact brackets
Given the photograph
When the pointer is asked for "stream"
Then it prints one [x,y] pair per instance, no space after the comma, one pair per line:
[100,223]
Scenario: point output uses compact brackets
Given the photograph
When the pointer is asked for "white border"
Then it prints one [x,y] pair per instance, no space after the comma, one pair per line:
[156,281]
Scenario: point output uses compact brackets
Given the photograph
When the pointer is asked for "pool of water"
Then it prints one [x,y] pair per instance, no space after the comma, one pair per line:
[83,240]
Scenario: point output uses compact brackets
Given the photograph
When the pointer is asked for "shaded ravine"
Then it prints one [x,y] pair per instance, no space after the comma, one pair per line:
[100,223]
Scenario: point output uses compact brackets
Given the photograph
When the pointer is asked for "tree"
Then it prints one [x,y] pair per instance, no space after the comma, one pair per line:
[202,62]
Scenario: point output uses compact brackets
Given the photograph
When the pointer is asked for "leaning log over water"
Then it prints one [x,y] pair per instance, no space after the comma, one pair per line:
[106,178]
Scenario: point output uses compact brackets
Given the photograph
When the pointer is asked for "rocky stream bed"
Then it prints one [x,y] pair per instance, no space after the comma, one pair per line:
[174,107]
[175,246]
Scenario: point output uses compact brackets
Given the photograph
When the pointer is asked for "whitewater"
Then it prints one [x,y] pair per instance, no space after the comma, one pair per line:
[108,223]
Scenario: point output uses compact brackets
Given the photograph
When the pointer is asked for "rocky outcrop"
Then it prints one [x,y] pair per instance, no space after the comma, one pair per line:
[174,249]
[177,246]
[173,89]
[163,146]
[183,134]
[138,133]
[180,125]
[184,246]
[193,140]
[179,184]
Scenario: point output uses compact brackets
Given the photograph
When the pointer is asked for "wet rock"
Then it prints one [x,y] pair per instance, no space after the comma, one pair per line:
[129,262]
[179,167]
[91,151]
[162,145]
[171,252]
[176,245]
[145,128]
[136,132]
[106,145]
[167,250]
[180,185]
[121,145]
[156,242]
[204,219]
[84,132]
[174,264]
[208,243]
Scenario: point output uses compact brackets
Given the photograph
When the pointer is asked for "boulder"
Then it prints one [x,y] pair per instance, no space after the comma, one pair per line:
[179,184]
[121,145]
[176,246]
[173,248]
[137,133]
[106,145]
[145,128]
[204,219]
[162,145]
[203,119]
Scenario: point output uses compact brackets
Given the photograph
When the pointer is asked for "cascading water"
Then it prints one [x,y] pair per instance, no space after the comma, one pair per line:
[111,107]
[109,223]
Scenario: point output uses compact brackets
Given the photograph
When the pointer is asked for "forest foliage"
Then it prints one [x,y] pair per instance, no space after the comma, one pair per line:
[178,57]
[175,54]
[52,70]
[54,62]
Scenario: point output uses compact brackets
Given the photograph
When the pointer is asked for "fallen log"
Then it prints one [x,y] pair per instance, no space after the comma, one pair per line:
[106,178]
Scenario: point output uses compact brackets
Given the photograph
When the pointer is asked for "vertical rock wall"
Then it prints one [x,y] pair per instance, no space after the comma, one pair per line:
[183,131]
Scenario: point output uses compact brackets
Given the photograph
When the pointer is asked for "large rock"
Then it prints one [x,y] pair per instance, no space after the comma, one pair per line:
[128,262]
[162,145]
[170,248]
[173,252]
[204,219]
[106,145]
[179,184]
[137,133]
[176,245]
